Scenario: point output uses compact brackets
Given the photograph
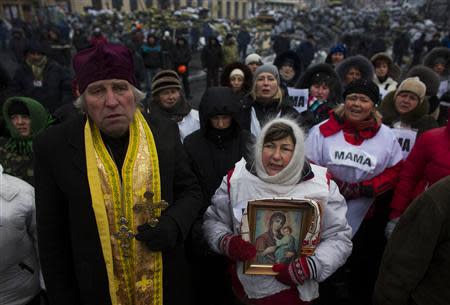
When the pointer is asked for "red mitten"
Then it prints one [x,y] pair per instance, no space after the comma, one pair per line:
[348,190]
[294,274]
[236,248]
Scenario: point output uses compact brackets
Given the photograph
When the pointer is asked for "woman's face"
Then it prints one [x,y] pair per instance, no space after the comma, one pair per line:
[277,223]
[169,97]
[352,74]
[266,86]
[358,107]
[381,69]
[236,82]
[277,154]
[337,58]
[319,91]
[22,123]
[406,102]
[287,72]
[439,68]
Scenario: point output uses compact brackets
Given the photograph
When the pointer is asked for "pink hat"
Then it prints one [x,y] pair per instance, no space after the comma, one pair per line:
[104,61]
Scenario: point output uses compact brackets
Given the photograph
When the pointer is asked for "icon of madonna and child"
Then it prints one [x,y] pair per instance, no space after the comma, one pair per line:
[277,236]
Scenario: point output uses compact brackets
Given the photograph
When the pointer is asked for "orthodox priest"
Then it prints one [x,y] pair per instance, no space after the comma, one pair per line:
[115,195]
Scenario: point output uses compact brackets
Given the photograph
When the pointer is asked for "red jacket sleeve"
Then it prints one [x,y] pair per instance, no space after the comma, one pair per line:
[384,181]
[410,177]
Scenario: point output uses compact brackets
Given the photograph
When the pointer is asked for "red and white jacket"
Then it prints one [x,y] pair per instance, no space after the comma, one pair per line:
[372,158]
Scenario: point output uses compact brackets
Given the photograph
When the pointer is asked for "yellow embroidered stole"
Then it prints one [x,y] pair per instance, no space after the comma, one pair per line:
[134,272]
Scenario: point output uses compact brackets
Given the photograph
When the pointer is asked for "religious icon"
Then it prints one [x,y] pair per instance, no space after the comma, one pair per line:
[277,228]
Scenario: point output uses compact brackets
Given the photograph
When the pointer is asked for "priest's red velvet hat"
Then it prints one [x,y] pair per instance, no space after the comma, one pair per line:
[104,61]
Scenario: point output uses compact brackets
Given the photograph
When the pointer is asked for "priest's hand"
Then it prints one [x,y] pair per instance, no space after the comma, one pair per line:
[236,248]
[163,236]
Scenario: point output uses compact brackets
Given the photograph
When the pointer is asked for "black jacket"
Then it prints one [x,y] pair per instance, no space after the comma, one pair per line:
[181,54]
[212,55]
[69,246]
[213,152]
[56,87]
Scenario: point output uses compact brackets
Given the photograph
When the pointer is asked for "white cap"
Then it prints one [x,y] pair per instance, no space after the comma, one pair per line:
[237,72]
[253,58]
[166,34]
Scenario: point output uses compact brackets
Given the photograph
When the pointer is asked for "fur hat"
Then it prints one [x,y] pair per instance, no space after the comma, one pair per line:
[248,76]
[359,62]
[165,79]
[363,86]
[104,61]
[268,68]
[428,77]
[292,173]
[323,73]
[394,70]
[413,85]
[253,58]
[289,58]
[441,53]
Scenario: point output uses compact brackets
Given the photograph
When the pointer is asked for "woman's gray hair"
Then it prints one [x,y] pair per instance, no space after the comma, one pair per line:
[80,104]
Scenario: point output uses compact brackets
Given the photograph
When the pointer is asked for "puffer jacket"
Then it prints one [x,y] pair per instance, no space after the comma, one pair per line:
[19,266]
[428,162]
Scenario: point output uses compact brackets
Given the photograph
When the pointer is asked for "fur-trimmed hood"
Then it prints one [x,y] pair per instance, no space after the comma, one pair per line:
[248,76]
[418,118]
[440,52]
[358,61]
[334,84]
[394,71]
[428,77]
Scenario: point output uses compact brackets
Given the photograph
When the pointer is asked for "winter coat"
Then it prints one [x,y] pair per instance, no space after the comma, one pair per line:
[312,117]
[80,41]
[213,152]
[212,55]
[374,160]
[385,87]
[225,214]
[415,269]
[230,53]
[58,49]
[181,55]
[291,56]
[152,56]
[281,44]
[19,265]
[248,77]
[243,38]
[306,51]
[56,89]
[428,162]
[254,114]
[358,61]
[417,119]
[69,246]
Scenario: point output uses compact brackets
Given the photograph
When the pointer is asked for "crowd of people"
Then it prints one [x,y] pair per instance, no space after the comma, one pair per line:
[115,190]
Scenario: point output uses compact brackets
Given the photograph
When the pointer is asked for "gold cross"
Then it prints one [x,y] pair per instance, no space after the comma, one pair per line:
[151,208]
[125,236]
[144,283]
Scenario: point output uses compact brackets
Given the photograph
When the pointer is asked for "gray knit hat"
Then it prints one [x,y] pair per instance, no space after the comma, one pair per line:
[165,79]
[268,68]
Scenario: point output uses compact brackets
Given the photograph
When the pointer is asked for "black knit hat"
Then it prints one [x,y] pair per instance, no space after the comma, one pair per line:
[365,87]
[165,79]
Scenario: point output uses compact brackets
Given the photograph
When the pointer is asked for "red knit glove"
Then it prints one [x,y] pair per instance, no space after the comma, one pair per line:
[294,274]
[236,248]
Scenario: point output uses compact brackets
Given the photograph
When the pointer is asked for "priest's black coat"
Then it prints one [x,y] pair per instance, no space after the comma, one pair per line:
[69,246]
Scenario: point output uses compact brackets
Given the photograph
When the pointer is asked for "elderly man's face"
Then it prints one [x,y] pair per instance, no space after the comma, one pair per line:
[111,105]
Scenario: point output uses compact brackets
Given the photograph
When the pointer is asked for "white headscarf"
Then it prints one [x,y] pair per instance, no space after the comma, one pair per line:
[291,174]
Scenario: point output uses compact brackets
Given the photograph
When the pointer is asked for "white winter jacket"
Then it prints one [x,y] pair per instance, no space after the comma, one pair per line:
[225,214]
[19,267]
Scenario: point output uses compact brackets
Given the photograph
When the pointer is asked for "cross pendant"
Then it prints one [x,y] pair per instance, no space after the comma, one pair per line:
[150,208]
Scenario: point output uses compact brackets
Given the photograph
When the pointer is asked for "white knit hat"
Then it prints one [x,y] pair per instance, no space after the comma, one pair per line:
[237,72]
[253,58]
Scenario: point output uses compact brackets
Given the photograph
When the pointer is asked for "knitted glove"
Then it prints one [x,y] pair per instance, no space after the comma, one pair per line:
[163,236]
[390,227]
[294,274]
[236,248]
